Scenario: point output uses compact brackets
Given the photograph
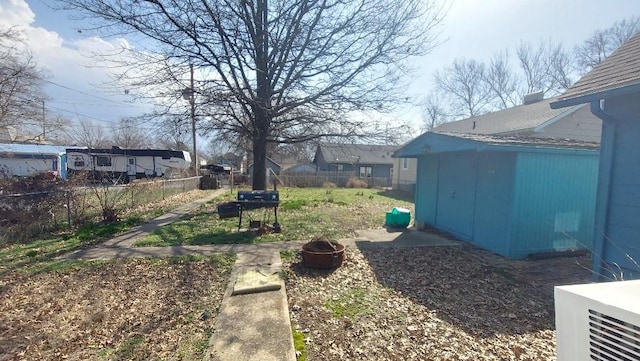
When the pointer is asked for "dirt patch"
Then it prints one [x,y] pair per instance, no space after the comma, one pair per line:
[127,309]
[429,303]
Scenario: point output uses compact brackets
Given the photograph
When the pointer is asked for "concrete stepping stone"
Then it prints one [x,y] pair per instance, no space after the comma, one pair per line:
[254,280]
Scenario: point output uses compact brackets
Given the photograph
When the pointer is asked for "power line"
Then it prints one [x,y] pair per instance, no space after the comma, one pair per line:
[79,114]
[85,93]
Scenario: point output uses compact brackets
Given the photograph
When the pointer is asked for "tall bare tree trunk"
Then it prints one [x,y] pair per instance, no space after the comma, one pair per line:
[262,110]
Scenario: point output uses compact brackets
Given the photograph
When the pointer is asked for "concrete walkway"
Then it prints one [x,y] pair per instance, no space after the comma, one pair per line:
[253,322]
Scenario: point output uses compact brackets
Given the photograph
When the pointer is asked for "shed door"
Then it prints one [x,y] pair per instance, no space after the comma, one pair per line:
[493,201]
[456,193]
[131,166]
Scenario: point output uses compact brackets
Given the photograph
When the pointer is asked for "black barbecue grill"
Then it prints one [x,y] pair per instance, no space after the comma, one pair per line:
[248,200]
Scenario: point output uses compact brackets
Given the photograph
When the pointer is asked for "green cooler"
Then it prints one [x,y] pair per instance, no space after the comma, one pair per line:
[398,218]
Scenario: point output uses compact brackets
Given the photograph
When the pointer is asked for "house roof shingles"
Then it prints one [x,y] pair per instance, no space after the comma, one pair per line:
[620,70]
[527,141]
[512,120]
[357,153]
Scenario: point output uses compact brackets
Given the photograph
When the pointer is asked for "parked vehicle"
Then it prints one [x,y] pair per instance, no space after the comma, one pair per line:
[122,165]
[239,177]
[217,169]
[24,160]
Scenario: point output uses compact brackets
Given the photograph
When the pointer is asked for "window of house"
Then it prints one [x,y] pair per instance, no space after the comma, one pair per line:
[365,172]
[340,167]
[391,172]
[103,161]
[405,163]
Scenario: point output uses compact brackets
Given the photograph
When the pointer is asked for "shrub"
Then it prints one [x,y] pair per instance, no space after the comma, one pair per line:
[357,183]
[31,206]
[328,184]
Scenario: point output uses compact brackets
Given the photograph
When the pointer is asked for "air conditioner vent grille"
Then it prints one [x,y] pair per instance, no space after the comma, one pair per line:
[612,339]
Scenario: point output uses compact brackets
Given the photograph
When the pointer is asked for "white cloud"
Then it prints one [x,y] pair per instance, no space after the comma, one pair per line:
[72,64]
[15,13]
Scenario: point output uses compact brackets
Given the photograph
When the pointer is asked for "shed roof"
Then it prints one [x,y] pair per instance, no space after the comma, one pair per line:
[433,142]
[511,120]
[618,74]
[37,149]
[356,153]
[269,161]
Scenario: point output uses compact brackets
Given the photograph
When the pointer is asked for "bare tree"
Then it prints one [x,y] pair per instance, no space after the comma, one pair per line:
[89,134]
[502,82]
[173,133]
[546,67]
[603,42]
[560,64]
[127,134]
[269,59]
[217,148]
[433,112]
[464,84]
[21,96]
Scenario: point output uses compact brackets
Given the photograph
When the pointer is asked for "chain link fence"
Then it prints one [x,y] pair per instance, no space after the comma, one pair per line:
[339,179]
[24,216]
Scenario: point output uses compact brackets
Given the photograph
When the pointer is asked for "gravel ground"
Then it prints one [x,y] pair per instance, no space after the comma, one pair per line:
[439,303]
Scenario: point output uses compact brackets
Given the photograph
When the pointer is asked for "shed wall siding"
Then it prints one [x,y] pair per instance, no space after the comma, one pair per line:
[554,203]
[494,201]
[426,196]
[620,242]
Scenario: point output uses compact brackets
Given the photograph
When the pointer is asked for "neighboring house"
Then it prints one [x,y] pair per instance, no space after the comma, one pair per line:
[273,168]
[612,90]
[405,170]
[359,160]
[515,196]
[21,160]
[532,119]
[300,169]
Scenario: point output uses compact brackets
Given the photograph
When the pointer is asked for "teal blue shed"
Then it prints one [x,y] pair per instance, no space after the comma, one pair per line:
[514,196]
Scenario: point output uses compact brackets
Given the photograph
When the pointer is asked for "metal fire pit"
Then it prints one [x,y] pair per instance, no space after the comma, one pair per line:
[322,254]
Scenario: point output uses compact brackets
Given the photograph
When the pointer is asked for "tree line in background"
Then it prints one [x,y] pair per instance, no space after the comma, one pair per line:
[317,79]
[471,87]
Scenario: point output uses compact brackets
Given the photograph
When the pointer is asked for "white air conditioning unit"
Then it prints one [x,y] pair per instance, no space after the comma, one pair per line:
[599,321]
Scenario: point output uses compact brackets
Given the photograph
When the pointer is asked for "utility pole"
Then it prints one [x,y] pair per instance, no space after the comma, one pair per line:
[44,123]
[192,101]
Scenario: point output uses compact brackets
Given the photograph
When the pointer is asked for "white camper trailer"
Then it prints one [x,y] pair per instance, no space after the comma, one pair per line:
[22,160]
[120,164]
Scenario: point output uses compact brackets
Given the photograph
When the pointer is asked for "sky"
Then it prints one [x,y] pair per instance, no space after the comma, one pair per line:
[472,28]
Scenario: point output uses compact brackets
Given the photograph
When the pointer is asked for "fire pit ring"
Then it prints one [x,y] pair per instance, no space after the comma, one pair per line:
[321,253]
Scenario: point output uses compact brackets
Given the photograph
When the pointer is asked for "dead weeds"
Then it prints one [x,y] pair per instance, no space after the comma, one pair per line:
[117,310]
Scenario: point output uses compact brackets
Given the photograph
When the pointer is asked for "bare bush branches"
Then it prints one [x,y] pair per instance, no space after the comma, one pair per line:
[20,82]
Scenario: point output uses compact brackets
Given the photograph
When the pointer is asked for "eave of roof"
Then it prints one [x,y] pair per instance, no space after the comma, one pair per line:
[597,96]
[617,75]
[432,142]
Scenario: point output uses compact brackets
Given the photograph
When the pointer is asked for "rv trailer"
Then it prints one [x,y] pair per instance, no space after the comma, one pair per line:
[23,160]
[122,165]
